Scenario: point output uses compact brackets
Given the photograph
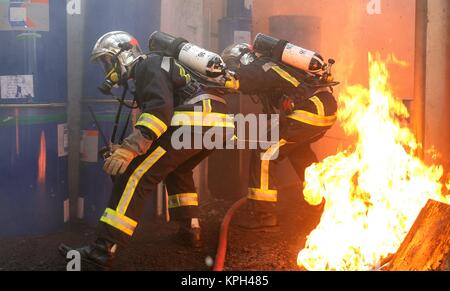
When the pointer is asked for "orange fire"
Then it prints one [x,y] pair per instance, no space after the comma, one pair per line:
[42,160]
[373,191]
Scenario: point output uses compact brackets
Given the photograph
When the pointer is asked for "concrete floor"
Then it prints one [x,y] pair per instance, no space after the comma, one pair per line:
[153,247]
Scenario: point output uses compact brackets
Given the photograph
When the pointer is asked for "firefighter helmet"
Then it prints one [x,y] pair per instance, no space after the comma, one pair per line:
[118,52]
[238,54]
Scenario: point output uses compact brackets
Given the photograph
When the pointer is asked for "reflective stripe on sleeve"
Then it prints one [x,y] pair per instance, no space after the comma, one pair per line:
[153,123]
[313,119]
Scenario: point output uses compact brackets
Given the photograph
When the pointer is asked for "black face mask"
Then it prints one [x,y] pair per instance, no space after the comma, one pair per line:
[112,74]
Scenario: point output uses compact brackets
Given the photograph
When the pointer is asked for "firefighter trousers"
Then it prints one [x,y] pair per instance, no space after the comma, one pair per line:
[165,161]
[295,145]
[298,130]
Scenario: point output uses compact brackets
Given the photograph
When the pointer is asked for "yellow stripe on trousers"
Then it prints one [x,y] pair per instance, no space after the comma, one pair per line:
[183,200]
[136,177]
[262,195]
[265,160]
[119,221]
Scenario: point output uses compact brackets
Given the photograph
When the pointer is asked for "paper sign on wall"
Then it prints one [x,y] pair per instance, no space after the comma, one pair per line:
[63,140]
[24,15]
[16,87]
[89,146]
[18,15]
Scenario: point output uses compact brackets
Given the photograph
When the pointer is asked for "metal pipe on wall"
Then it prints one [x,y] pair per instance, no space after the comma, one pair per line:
[437,102]
[420,64]
[75,45]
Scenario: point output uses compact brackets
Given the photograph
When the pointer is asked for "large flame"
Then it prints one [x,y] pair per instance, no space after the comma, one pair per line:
[374,191]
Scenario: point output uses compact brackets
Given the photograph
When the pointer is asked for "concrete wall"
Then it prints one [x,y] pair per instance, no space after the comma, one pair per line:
[347,33]
[196,21]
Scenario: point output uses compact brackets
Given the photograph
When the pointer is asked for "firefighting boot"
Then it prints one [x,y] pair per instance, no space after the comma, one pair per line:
[257,218]
[99,255]
[189,233]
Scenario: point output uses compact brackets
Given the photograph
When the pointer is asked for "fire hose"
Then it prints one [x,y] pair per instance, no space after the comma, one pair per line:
[223,236]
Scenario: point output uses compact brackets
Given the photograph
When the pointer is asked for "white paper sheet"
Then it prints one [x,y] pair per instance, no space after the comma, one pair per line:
[17,14]
[16,87]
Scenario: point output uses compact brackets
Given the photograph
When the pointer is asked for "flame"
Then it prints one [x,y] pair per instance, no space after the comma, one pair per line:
[42,160]
[447,184]
[373,191]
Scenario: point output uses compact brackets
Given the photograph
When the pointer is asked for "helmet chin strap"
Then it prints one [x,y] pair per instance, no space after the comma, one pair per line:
[123,80]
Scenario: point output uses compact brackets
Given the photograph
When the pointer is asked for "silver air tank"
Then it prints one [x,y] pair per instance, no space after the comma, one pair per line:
[295,56]
[196,58]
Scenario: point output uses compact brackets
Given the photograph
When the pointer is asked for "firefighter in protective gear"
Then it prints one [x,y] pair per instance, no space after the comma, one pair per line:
[170,102]
[306,113]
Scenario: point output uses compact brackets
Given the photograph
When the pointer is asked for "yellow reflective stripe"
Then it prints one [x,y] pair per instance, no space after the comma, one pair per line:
[319,105]
[183,73]
[190,118]
[207,107]
[119,221]
[136,177]
[265,161]
[285,75]
[233,84]
[183,200]
[262,195]
[153,123]
[313,119]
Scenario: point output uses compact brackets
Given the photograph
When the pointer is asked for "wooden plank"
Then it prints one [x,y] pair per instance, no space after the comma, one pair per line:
[427,245]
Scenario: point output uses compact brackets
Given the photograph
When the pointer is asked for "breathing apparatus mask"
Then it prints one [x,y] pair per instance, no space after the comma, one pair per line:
[113,73]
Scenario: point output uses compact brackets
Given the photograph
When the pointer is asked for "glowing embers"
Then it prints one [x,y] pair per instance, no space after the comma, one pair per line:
[373,191]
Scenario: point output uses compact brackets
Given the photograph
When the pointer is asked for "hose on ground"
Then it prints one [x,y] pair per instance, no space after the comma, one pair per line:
[223,236]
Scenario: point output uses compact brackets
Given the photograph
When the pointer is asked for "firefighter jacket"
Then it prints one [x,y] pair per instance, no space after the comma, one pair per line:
[158,81]
[314,110]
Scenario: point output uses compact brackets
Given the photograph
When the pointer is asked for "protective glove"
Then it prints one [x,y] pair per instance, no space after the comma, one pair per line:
[114,147]
[119,161]
[134,145]
[106,152]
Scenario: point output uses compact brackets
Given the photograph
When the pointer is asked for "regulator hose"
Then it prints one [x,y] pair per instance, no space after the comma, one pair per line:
[223,236]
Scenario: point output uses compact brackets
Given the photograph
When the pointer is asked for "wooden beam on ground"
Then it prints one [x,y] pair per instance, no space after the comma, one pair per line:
[427,245]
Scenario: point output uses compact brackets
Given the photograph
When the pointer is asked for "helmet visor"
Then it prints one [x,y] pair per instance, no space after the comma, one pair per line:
[107,63]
